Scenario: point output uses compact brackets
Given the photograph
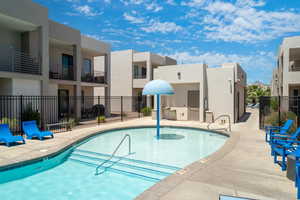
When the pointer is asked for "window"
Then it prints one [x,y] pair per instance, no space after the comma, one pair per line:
[87,66]
[67,66]
[295,92]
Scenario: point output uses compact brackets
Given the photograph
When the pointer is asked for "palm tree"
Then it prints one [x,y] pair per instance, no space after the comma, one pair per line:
[254,92]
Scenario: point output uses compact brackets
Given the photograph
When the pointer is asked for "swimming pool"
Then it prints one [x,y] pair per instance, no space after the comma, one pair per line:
[71,174]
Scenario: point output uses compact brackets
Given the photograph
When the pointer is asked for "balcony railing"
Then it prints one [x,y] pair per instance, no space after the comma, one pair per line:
[15,60]
[139,76]
[295,65]
[95,77]
[60,73]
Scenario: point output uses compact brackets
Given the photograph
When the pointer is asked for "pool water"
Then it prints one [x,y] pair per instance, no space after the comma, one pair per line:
[71,175]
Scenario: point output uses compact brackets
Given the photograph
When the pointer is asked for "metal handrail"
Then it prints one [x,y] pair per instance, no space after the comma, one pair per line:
[115,151]
[228,116]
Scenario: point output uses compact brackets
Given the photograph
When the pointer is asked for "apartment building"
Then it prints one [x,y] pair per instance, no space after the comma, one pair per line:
[40,57]
[202,93]
[130,71]
[286,76]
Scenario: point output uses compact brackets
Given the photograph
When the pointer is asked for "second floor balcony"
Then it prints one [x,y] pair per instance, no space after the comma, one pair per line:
[15,60]
[62,73]
[94,77]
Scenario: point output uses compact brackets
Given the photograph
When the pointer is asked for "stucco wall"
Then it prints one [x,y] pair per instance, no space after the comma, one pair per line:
[5,86]
[53,89]
[288,77]
[26,87]
[10,38]
[221,91]
[121,73]
[186,74]
[64,33]
[121,78]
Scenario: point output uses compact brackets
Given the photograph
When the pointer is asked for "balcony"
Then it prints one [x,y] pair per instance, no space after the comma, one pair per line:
[295,65]
[94,77]
[15,60]
[139,76]
[62,73]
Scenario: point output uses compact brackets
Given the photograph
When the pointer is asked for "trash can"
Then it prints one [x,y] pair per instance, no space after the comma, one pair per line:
[291,168]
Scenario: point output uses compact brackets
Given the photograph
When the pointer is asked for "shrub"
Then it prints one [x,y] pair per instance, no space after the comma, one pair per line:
[146,111]
[274,104]
[273,119]
[101,118]
[29,114]
[11,122]
[72,121]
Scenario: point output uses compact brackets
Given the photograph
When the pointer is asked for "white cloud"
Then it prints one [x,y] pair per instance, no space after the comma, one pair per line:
[171,2]
[86,11]
[153,6]
[136,2]
[242,22]
[260,63]
[193,3]
[133,19]
[162,27]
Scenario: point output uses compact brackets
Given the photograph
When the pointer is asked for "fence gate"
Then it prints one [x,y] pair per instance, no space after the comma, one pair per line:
[276,110]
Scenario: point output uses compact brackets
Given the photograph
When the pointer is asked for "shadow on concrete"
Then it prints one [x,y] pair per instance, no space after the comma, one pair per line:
[245,117]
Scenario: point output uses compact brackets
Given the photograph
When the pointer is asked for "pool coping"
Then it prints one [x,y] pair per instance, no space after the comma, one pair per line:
[92,134]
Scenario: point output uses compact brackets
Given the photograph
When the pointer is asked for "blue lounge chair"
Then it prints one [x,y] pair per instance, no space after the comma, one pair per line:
[7,137]
[278,129]
[278,136]
[284,147]
[296,154]
[31,130]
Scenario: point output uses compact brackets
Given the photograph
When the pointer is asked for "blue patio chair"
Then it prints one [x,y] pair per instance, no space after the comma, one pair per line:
[7,137]
[278,129]
[284,147]
[296,154]
[278,136]
[31,130]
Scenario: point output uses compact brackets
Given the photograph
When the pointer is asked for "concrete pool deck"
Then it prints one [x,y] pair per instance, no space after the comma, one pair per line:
[243,166]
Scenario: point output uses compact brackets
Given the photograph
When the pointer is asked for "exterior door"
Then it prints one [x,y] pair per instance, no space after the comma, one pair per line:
[193,105]
[63,103]
[67,67]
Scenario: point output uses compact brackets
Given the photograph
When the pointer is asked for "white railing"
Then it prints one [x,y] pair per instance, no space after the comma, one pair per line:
[221,116]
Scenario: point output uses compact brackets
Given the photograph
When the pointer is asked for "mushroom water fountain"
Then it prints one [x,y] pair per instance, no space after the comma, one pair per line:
[158,88]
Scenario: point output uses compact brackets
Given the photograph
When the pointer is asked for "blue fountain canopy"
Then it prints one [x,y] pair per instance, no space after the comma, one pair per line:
[160,87]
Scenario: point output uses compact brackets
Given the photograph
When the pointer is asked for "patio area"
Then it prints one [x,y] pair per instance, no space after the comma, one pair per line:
[242,167]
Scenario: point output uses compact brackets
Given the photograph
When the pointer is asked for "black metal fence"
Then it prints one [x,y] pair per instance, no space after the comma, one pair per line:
[276,110]
[79,110]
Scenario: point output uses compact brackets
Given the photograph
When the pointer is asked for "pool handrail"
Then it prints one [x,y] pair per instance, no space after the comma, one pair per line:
[114,152]
[224,115]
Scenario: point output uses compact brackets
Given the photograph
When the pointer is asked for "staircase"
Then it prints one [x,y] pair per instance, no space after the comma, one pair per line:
[123,165]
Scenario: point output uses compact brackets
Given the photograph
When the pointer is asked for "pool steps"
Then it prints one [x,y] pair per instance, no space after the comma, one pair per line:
[117,170]
[138,168]
[170,167]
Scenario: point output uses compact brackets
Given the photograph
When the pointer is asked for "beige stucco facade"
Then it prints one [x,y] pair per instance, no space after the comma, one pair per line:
[200,90]
[131,71]
[41,57]
[286,76]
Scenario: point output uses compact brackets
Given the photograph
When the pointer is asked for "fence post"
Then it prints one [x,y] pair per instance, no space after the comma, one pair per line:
[21,112]
[121,108]
[139,106]
[98,118]
[279,113]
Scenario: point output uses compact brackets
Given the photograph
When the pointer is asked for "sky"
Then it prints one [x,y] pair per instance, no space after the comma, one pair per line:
[191,31]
